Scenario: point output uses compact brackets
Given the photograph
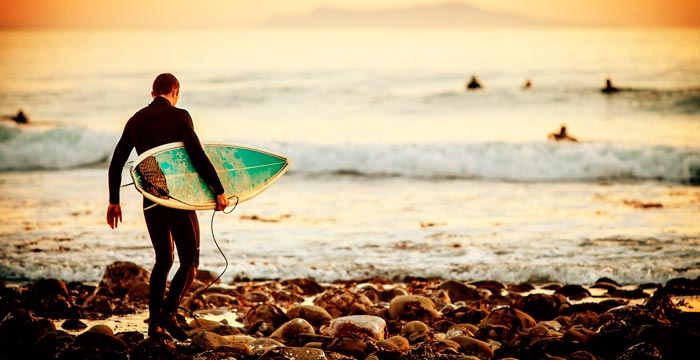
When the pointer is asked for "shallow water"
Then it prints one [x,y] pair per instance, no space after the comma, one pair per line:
[340,227]
[397,170]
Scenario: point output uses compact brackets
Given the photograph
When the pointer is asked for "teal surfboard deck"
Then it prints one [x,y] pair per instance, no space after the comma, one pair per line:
[166,175]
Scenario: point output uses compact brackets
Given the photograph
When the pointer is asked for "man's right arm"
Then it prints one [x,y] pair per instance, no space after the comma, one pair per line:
[121,154]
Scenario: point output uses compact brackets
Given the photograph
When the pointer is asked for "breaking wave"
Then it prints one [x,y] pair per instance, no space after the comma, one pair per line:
[71,147]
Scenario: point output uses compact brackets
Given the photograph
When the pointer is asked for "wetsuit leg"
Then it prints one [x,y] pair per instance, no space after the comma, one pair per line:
[185,234]
[168,227]
[158,229]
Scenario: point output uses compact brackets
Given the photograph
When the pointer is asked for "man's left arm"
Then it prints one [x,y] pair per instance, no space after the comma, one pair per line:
[201,162]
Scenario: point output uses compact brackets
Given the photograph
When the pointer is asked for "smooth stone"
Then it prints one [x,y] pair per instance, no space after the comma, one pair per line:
[150,349]
[412,307]
[351,346]
[475,347]
[315,315]
[682,286]
[52,344]
[540,306]
[102,329]
[73,324]
[130,338]
[441,298]
[416,331]
[139,292]
[309,287]
[100,339]
[260,346]
[641,351]
[588,319]
[581,355]
[50,297]
[579,334]
[209,340]
[204,324]
[459,291]
[394,344]
[461,330]
[207,277]
[496,287]
[237,350]
[292,328]
[342,302]
[266,313]
[295,353]
[516,320]
[359,326]
[573,292]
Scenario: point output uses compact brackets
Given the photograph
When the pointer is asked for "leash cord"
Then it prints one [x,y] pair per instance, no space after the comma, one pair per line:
[211,227]
[200,292]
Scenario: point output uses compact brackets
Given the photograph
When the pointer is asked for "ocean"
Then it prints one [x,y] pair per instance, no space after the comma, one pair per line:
[398,171]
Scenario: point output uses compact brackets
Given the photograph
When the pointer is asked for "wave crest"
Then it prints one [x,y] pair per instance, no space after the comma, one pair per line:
[526,162]
[30,148]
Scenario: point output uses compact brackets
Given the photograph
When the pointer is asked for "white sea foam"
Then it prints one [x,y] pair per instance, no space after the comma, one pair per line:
[525,162]
[30,148]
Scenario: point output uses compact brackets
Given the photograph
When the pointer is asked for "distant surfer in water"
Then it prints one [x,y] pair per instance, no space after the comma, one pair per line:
[562,135]
[609,88]
[160,123]
[20,118]
[473,84]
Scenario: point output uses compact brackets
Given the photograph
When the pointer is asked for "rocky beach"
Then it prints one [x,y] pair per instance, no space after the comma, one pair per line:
[408,318]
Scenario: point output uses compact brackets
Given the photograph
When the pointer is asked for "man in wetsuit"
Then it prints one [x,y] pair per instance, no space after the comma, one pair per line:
[160,123]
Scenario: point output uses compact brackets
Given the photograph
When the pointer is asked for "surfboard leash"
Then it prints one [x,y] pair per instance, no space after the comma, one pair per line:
[213,236]
[211,227]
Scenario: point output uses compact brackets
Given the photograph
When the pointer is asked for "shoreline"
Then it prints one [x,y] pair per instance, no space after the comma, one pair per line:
[415,318]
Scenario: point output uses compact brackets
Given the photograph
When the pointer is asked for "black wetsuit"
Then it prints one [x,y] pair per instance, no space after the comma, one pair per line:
[157,124]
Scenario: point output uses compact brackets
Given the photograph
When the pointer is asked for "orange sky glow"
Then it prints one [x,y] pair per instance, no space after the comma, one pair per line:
[244,13]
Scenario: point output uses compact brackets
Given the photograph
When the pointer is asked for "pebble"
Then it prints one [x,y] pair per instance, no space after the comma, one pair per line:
[360,326]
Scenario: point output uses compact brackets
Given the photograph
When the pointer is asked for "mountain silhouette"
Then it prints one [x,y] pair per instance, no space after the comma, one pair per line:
[446,15]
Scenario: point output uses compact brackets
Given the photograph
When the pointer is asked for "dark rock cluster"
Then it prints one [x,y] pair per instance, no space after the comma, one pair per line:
[370,319]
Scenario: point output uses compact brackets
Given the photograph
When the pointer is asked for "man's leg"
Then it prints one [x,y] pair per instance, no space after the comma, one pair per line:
[157,223]
[185,233]
[184,228]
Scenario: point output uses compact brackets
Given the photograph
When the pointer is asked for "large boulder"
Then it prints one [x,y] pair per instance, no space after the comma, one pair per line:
[121,276]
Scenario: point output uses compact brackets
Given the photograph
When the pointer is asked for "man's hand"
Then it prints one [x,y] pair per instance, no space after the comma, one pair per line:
[114,215]
[221,202]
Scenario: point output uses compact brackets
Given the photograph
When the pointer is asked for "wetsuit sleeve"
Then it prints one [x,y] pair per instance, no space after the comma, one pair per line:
[121,154]
[199,159]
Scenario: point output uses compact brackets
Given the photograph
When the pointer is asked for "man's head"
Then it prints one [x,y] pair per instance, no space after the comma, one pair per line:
[166,85]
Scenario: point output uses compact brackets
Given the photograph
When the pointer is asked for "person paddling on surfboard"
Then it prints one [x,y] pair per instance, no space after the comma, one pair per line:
[160,123]
[562,135]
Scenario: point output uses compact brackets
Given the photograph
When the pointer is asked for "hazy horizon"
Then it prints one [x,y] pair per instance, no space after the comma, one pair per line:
[238,14]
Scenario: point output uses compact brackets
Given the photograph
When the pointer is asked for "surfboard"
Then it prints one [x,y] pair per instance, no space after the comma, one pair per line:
[166,176]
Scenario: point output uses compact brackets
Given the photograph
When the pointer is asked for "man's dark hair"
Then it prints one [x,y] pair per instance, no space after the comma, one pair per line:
[164,84]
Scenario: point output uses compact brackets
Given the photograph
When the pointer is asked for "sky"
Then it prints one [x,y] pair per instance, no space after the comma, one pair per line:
[186,14]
